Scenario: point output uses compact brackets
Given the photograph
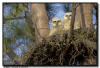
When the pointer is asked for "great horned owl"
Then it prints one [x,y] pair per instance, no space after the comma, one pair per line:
[67,21]
[56,24]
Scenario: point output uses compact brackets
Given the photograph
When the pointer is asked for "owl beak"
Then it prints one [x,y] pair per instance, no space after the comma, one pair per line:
[65,18]
[69,18]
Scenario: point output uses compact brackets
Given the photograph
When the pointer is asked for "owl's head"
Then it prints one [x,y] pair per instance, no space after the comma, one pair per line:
[68,16]
[56,21]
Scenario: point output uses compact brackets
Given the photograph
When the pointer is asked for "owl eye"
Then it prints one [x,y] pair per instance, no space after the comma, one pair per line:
[58,20]
[54,21]
[66,16]
[70,15]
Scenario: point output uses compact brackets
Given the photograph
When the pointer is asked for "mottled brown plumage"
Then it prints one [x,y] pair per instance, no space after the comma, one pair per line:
[67,21]
[56,24]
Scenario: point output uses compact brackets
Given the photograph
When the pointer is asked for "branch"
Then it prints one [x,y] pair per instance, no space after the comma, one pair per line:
[72,19]
[12,18]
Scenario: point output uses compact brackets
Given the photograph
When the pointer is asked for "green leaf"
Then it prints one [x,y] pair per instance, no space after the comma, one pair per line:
[19,9]
[5,43]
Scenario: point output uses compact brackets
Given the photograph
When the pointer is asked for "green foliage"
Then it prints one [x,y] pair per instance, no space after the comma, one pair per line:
[16,9]
[17,30]
[22,30]
[29,31]
[5,43]
[19,9]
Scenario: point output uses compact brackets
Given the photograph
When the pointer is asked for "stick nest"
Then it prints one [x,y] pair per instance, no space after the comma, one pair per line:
[62,50]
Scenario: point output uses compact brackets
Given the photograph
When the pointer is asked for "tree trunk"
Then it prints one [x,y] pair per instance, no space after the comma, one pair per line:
[87,12]
[96,8]
[78,13]
[72,19]
[88,15]
[82,17]
[40,20]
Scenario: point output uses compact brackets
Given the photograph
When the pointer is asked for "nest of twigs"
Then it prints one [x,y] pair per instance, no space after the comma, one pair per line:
[61,50]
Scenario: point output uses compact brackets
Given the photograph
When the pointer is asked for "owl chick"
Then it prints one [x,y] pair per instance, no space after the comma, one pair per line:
[56,24]
[67,21]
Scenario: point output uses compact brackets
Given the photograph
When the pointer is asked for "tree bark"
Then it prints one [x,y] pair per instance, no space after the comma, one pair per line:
[78,13]
[40,19]
[82,16]
[72,19]
[96,8]
[87,12]
[88,15]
